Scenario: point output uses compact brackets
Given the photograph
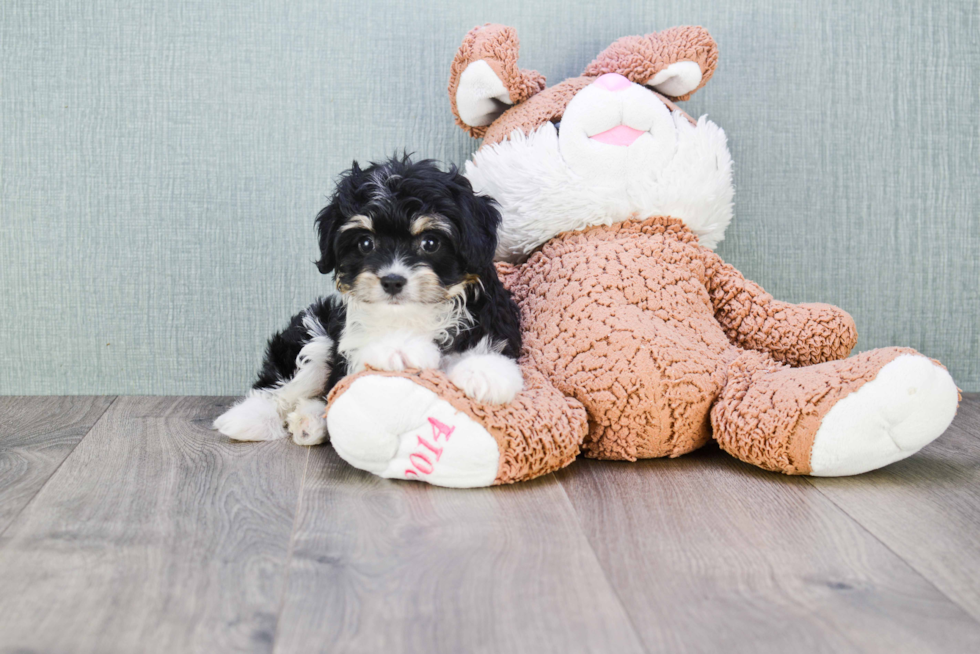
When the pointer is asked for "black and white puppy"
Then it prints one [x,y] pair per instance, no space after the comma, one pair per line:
[411,248]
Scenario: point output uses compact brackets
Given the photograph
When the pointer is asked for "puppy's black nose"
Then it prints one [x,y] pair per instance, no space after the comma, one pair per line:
[393,284]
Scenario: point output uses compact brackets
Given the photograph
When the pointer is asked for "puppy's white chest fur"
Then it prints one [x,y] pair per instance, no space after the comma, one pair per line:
[397,336]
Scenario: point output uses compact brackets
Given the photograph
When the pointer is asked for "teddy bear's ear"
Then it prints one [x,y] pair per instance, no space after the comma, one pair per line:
[676,62]
[485,80]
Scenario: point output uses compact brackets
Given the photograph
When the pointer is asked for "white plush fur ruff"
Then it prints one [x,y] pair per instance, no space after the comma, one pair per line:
[541,196]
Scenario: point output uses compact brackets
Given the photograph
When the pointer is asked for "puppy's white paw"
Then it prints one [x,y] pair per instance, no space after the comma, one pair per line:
[400,352]
[489,378]
[307,423]
[255,418]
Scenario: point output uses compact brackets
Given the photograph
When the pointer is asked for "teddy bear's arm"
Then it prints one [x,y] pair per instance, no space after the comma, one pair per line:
[796,334]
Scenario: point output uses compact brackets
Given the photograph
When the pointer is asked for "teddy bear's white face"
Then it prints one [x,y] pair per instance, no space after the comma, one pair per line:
[617,153]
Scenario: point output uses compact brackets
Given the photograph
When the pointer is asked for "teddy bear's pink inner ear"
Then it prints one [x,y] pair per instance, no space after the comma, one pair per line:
[481,95]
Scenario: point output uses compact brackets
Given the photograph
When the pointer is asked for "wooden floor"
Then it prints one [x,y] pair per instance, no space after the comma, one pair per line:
[127,525]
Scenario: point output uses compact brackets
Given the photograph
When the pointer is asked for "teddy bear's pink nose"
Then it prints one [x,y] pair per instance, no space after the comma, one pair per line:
[613,82]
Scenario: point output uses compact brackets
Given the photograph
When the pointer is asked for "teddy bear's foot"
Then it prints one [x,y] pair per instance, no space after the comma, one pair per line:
[395,428]
[909,403]
[836,418]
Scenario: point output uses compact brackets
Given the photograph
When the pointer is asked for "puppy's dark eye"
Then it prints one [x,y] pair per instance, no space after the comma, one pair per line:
[429,244]
[366,244]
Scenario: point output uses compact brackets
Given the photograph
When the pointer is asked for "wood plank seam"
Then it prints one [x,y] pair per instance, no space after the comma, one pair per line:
[292,544]
[816,579]
[901,558]
[14,518]
[605,574]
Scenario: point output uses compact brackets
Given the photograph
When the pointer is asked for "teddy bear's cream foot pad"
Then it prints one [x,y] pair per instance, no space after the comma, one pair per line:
[909,403]
[395,428]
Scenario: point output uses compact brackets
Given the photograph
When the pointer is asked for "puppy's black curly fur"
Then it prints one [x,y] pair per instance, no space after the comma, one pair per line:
[371,221]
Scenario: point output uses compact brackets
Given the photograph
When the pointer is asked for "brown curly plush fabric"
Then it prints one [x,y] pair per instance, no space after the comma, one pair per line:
[638,58]
[800,335]
[640,323]
[549,105]
[640,343]
[539,432]
[769,413]
[497,45]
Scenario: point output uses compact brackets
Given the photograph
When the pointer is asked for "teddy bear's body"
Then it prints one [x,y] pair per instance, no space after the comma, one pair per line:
[630,320]
[639,341]
[620,318]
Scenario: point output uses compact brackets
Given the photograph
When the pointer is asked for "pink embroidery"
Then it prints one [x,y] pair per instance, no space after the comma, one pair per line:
[432,448]
[416,458]
[421,463]
[440,428]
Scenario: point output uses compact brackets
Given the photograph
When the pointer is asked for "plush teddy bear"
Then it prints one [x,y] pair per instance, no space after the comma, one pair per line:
[639,341]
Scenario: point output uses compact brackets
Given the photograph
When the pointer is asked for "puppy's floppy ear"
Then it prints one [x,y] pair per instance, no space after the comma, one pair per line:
[327,222]
[330,218]
[478,229]
[485,80]
[676,62]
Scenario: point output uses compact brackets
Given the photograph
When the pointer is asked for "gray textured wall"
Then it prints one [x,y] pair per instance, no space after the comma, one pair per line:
[160,165]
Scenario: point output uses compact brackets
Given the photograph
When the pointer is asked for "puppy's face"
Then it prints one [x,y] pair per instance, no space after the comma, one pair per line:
[402,233]
[399,258]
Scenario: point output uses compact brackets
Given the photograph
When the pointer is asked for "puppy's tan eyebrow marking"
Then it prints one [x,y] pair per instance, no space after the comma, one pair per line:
[358,222]
[430,221]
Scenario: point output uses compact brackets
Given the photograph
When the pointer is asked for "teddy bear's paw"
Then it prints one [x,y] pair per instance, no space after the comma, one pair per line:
[307,424]
[909,403]
[394,428]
